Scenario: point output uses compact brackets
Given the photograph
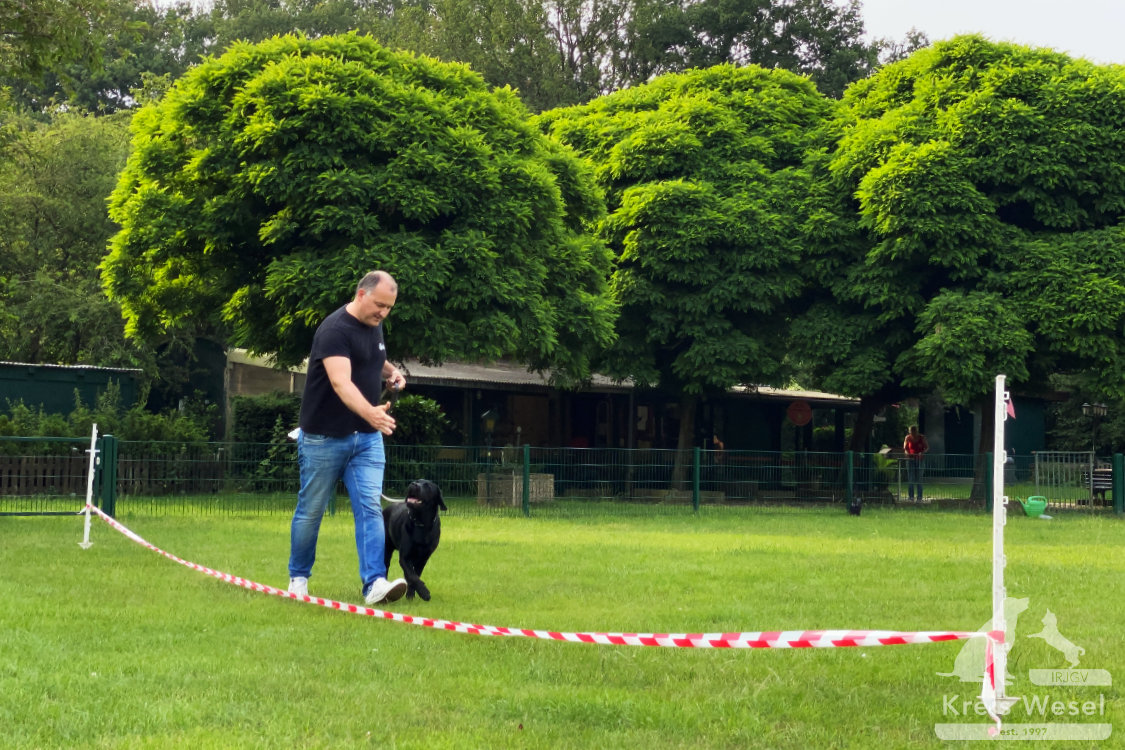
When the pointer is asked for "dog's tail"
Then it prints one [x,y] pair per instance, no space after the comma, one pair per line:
[391,499]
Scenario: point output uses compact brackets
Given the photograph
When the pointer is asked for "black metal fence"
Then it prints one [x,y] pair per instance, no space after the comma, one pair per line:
[50,475]
[43,475]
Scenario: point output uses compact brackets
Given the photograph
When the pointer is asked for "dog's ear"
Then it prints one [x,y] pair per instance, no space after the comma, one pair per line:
[440,501]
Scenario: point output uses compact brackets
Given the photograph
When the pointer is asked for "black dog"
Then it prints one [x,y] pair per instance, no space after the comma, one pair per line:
[414,529]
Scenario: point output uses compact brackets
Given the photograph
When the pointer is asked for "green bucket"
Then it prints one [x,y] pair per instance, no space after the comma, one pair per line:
[1034,505]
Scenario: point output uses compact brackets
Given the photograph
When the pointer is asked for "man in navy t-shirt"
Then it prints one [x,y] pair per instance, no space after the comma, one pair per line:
[341,436]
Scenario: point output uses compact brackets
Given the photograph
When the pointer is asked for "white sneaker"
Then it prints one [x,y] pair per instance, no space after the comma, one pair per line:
[382,591]
[299,586]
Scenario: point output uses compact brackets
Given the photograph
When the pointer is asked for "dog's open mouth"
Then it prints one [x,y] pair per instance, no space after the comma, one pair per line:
[413,501]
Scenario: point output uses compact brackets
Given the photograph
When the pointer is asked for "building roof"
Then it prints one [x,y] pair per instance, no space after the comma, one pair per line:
[796,394]
[497,373]
[512,375]
[68,367]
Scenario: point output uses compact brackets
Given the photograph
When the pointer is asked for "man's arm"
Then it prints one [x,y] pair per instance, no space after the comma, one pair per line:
[339,371]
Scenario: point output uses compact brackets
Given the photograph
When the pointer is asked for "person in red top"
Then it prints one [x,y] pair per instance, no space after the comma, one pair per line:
[915,446]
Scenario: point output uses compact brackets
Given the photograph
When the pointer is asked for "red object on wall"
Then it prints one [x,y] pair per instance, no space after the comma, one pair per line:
[799,413]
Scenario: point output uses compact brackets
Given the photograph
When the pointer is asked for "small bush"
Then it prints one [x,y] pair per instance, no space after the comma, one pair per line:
[254,419]
[419,421]
[193,424]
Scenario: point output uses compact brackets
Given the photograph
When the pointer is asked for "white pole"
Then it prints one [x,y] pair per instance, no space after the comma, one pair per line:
[999,561]
[86,543]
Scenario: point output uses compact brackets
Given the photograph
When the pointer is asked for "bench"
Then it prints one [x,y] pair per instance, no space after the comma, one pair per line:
[1100,483]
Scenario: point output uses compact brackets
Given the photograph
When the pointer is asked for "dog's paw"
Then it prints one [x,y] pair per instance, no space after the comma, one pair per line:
[423,592]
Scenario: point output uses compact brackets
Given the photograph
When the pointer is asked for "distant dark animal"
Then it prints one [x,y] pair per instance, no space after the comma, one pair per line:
[414,529]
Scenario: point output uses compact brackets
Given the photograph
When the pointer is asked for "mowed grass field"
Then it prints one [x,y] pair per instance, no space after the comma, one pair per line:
[118,647]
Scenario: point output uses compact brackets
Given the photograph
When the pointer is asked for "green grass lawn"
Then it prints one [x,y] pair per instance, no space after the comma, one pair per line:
[117,647]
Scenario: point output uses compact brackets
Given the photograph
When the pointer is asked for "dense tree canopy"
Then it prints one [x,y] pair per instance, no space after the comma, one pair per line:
[152,41]
[819,38]
[267,181]
[960,216]
[567,52]
[554,53]
[53,231]
[702,172]
[987,181]
[37,35]
[606,45]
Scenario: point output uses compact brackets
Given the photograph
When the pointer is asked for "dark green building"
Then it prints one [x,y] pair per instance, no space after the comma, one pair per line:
[52,387]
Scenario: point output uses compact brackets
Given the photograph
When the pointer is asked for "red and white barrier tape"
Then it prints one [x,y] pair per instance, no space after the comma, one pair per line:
[763,639]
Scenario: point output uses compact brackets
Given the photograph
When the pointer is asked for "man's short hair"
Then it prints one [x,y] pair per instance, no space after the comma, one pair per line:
[374,279]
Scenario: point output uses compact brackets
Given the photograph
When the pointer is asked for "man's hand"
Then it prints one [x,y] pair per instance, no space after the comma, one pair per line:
[339,371]
[378,418]
[396,381]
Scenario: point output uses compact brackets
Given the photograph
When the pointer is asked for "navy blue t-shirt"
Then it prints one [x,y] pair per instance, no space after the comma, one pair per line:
[341,335]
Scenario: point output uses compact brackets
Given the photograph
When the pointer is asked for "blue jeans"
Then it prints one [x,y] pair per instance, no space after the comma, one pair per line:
[359,460]
[914,477]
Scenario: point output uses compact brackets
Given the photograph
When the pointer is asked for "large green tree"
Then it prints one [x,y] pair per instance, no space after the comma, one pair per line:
[554,53]
[50,49]
[154,40]
[823,39]
[54,183]
[508,42]
[702,172]
[971,224]
[565,52]
[606,45]
[268,180]
[37,35]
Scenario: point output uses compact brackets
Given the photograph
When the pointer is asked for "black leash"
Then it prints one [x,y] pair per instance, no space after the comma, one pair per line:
[390,394]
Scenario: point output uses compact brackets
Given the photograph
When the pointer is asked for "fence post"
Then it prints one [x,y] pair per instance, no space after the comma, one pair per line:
[107,474]
[1118,483]
[696,453]
[988,482]
[849,477]
[526,479]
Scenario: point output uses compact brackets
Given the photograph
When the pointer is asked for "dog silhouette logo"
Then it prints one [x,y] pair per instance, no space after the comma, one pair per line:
[969,664]
[1051,635]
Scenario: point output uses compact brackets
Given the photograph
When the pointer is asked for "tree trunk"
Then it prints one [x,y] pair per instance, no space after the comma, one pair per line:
[682,467]
[869,406]
[987,434]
